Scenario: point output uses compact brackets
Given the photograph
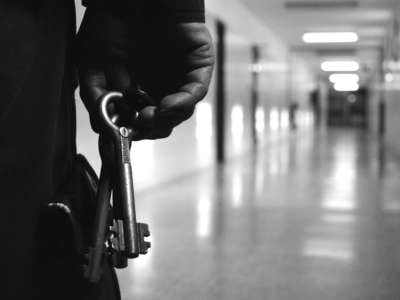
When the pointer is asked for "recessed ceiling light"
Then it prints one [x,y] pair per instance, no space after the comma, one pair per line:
[330,37]
[350,77]
[340,66]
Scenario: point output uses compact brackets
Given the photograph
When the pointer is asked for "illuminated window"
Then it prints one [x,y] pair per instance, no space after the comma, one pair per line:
[203,121]
[274,119]
[260,120]
[284,119]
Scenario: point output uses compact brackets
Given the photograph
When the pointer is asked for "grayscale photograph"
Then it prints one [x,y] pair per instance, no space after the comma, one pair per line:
[200,149]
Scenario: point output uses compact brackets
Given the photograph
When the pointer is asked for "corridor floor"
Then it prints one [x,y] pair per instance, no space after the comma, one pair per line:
[311,217]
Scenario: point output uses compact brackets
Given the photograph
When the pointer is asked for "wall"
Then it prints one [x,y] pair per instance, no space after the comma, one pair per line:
[274,81]
[376,94]
[302,82]
[390,87]
[238,93]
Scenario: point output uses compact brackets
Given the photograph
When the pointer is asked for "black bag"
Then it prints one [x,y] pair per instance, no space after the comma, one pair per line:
[64,233]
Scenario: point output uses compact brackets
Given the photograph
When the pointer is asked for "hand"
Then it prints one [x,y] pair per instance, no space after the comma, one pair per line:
[172,62]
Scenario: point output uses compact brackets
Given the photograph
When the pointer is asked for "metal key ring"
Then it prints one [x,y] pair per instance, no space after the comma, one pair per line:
[104,102]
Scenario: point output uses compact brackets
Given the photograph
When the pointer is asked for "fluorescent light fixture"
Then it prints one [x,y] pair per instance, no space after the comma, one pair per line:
[346,87]
[336,78]
[340,66]
[330,37]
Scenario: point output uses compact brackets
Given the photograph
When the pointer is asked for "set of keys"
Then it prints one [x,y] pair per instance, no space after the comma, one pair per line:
[116,234]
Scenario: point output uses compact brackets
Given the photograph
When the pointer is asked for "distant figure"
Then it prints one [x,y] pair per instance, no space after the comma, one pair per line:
[316,107]
[293,107]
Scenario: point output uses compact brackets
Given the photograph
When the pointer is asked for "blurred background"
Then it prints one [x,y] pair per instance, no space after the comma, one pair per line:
[285,183]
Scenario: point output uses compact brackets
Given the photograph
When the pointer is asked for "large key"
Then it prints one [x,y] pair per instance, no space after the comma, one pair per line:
[132,242]
[115,221]
[98,247]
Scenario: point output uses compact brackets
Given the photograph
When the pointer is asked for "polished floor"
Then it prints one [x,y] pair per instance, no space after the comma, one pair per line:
[313,216]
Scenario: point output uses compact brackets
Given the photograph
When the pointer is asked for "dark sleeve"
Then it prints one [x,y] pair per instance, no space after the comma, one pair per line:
[179,10]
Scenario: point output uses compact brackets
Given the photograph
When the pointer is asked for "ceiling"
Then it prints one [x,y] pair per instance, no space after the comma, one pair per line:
[289,19]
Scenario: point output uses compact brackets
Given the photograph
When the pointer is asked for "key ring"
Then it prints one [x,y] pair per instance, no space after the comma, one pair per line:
[109,121]
[116,218]
[103,104]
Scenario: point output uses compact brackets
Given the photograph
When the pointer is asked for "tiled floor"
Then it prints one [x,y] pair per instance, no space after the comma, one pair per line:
[313,217]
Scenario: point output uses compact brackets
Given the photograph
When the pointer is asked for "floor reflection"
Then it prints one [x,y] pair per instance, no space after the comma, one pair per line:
[329,248]
[309,217]
[204,215]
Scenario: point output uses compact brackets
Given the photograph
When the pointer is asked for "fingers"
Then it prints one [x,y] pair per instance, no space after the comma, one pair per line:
[93,85]
[156,120]
[147,126]
[155,134]
[97,81]
[199,63]
[118,77]
[178,107]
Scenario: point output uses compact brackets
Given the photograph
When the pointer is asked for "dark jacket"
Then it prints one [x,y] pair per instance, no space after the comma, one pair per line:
[37,122]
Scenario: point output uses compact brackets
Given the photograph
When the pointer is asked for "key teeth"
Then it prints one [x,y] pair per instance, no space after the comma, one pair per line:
[144,229]
[144,232]
[145,247]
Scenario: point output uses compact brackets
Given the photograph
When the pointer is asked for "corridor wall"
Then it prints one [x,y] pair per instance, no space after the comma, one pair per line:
[375,96]
[238,91]
[389,87]
[302,82]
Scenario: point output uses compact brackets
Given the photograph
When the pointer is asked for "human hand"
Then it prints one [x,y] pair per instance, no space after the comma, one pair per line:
[172,62]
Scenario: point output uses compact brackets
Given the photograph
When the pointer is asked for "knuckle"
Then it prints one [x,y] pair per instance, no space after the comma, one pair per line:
[187,112]
[168,133]
[181,112]
[165,133]
[203,91]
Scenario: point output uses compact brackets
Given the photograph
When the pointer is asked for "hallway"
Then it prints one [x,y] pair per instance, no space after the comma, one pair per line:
[315,216]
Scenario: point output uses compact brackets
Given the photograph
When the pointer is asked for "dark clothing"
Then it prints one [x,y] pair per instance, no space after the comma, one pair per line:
[37,138]
[37,125]
[180,10]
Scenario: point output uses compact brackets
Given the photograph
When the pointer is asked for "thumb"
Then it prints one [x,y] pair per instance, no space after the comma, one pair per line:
[93,85]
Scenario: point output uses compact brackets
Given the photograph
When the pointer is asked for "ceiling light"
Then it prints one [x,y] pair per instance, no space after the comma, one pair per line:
[330,37]
[340,66]
[335,78]
[346,87]
[323,5]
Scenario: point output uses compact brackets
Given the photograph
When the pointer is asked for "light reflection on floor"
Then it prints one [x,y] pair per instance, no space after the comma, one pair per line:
[313,217]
